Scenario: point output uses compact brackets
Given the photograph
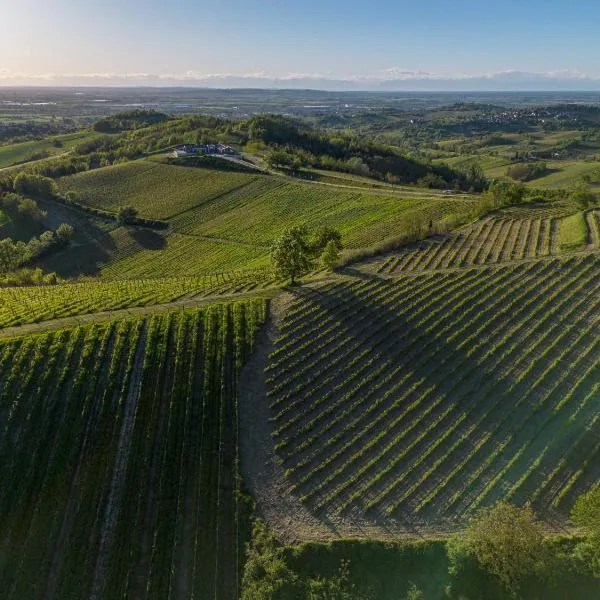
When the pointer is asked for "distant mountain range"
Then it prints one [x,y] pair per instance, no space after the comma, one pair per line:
[389,81]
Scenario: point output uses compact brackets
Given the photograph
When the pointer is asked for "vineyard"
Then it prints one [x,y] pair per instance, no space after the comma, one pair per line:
[505,237]
[222,220]
[157,190]
[119,455]
[32,304]
[425,397]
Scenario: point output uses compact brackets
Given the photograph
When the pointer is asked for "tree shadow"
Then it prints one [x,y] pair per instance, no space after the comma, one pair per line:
[148,238]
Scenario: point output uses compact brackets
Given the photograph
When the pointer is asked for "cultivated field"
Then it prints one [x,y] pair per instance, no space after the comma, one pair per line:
[422,398]
[34,304]
[119,457]
[222,220]
[504,237]
[14,154]
[157,190]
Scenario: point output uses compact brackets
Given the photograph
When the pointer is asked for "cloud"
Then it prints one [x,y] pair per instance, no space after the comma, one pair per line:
[393,78]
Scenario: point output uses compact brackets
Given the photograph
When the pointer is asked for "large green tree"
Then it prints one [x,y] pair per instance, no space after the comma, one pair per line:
[586,514]
[508,542]
[291,254]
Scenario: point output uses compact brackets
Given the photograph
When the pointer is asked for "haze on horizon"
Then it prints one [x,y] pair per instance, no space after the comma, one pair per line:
[385,44]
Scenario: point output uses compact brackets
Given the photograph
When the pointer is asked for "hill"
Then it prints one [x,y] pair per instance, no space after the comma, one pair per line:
[223,220]
[411,402]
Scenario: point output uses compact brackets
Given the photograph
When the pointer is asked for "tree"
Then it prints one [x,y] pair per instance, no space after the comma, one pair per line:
[266,573]
[35,185]
[330,255]
[291,253]
[64,233]
[508,542]
[583,197]
[127,214]
[586,514]
[29,209]
[322,236]
[11,255]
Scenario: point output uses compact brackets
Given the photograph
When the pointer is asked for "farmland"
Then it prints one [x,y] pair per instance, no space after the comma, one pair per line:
[14,154]
[157,190]
[119,457]
[509,235]
[390,397]
[222,220]
[34,304]
[167,386]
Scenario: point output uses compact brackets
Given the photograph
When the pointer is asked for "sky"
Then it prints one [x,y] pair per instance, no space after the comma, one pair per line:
[57,41]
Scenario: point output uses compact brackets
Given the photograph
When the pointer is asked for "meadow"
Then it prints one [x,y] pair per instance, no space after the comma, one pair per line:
[119,457]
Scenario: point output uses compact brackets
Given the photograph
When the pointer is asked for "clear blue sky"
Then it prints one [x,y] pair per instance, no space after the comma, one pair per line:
[334,38]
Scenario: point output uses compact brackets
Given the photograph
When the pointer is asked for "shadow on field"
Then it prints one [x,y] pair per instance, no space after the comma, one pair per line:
[356,413]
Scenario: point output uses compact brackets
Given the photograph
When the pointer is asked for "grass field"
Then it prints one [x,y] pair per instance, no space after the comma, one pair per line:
[119,457]
[426,397]
[14,154]
[574,232]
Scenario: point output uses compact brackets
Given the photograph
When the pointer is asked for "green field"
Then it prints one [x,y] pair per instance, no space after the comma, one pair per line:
[520,233]
[427,397]
[14,154]
[574,232]
[35,304]
[157,190]
[119,457]
[222,220]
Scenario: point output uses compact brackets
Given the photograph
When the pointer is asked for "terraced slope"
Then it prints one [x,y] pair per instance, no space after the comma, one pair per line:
[118,458]
[505,237]
[425,397]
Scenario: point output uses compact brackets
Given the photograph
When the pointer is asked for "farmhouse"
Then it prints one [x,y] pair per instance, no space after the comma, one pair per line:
[208,149]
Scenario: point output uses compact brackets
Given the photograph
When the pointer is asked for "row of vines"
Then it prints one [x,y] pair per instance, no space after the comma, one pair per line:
[427,397]
[119,457]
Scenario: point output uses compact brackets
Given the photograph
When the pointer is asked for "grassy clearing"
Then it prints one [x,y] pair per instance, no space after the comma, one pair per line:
[573,232]
[391,398]
[119,457]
